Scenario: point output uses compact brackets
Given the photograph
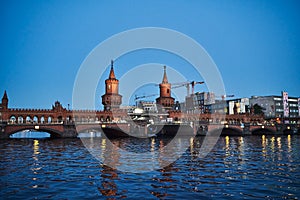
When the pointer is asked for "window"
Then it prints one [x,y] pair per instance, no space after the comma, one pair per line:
[168,91]
[294,100]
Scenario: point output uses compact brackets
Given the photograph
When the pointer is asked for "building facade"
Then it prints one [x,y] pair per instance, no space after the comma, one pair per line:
[278,106]
[199,102]
[238,106]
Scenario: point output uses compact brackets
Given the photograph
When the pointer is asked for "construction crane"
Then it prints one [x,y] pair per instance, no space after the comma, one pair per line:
[187,85]
[193,83]
[142,97]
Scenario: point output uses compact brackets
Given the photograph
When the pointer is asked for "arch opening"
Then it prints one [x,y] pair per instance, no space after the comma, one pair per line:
[49,120]
[35,119]
[28,119]
[42,119]
[12,119]
[228,131]
[30,134]
[231,131]
[88,133]
[20,120]
[262,131]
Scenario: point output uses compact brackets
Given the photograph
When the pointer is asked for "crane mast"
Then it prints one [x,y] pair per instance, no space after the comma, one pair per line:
[187,85]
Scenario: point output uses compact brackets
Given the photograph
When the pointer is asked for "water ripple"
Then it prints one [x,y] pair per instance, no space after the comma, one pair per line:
[252,167]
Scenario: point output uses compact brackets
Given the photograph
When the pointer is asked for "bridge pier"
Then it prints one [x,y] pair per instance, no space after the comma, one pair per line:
[69,131]
[246,129]
[2,130]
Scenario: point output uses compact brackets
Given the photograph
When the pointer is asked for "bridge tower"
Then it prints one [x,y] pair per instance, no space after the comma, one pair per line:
[4,102]
[111,99]
[165,98]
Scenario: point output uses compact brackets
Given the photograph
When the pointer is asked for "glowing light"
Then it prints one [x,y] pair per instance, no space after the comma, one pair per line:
[36,147]
[263,144]
[272,143]
[241,140]
[192,144]
[226,126]
[152,145]
[279,142]
[262,126]
[227,140]
[289,143]
[227,151]
[37,127]
[288,128]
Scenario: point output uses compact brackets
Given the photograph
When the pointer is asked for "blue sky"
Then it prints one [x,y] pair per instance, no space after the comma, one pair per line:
[255,44]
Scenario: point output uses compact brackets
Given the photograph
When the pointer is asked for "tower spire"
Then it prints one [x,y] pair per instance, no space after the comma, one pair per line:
[111,99]
[165,79]
[165,99]
[4,95]
[5,100]
[112,73]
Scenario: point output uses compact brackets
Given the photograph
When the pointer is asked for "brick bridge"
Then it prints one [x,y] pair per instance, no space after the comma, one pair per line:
[68,129]
[65,129]
[249,129]
[62,122]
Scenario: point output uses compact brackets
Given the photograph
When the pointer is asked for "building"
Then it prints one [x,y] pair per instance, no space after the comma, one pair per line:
[165,99]
[238,106]
[278,106]
[111,99]
[199,102]
[220,106]
[148,106]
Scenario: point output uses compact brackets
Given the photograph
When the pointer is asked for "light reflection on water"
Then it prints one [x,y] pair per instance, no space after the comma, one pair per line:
[237,167]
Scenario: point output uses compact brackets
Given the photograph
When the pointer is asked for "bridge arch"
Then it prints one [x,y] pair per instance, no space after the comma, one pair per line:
[13,119]
[20,120]
[60,119]
[28,119]
[42,119]
[49,119]
[35,119]
[230,131]
[53,133]
[262,131]
[69,118]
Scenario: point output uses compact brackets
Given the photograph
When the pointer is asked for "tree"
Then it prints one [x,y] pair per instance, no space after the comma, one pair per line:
[258,110]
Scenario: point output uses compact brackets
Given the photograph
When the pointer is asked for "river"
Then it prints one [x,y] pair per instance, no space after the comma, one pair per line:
[249,167]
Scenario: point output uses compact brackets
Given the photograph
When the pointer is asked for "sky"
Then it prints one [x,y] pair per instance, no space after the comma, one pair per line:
[254,44]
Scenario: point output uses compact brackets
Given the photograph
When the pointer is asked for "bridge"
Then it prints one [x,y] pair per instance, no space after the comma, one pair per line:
[60,122]
[249,129]
[68,129]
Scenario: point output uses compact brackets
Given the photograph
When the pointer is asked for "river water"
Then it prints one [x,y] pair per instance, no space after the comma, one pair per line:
[250,167]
